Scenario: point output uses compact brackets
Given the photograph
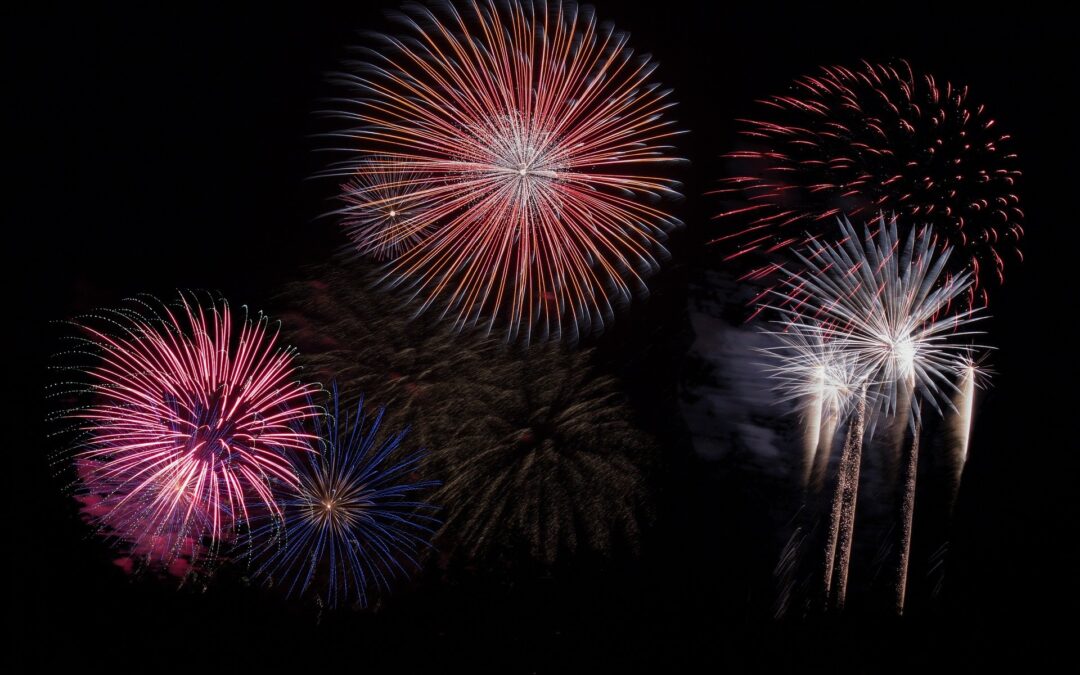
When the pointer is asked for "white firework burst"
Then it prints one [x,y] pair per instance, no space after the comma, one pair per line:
[889,305]
[811,370]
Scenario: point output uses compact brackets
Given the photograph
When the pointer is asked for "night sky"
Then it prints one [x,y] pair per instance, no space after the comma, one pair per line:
[164,149]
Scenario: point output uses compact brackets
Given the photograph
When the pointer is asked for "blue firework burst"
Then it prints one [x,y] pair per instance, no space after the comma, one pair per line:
[356,521]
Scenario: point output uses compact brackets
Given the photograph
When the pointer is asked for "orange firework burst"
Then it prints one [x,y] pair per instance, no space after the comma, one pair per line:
[524,142]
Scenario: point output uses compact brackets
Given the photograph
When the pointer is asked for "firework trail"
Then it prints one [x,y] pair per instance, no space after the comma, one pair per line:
[879,137]
[971,379]
[887,304]
[189,423]
[907,510]
[972,376]
[848,489]
[841,525]
[537,145]
[814,421]
[353,520]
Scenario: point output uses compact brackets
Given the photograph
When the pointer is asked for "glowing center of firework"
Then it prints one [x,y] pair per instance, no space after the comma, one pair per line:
[833,390]
[393,213]
[520,153]
[903,353]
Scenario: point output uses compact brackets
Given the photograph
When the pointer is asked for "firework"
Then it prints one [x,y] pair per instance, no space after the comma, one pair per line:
[190,421]
[891,307]
[382,208]
[856,141]
[828,383]
[354,522]
[535,143]
[888,304]
[820,376]
[368,340]
[538,455]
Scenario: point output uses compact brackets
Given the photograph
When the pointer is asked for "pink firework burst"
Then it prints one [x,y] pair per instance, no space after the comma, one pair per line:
[535,140]
[189,426]
[858,142]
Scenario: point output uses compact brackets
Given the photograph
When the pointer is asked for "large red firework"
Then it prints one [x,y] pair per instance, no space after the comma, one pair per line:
[522,140]
[873,139]
[188,427]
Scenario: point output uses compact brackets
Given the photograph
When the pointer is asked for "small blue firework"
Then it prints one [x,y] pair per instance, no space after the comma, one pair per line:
[354,522]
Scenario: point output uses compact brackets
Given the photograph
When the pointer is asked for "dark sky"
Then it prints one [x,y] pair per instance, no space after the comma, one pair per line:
[157,149]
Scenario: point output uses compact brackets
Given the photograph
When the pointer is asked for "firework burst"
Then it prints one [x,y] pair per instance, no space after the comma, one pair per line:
[539,455]
[856,141]
[353,523]
[821,377]
[888,304]
[383,208]
[536,144]
[367,340]
[190,420]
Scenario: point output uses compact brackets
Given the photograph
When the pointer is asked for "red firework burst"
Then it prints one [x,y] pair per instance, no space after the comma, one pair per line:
[879,138]
[531,135]
[188,427]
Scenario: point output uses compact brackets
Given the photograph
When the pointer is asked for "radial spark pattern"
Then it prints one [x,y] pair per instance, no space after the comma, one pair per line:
[190,421]
[383,211]
[539,456]
[537,145]
[354,522]
[856,141]
[887,303]
[811,369]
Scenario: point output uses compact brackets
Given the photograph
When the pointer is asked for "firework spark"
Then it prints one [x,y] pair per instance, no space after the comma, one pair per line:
[857,141]
[536,143]
[353,520]
[188,427]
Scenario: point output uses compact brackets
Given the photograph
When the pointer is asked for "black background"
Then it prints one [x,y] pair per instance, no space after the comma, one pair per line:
[157,149]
